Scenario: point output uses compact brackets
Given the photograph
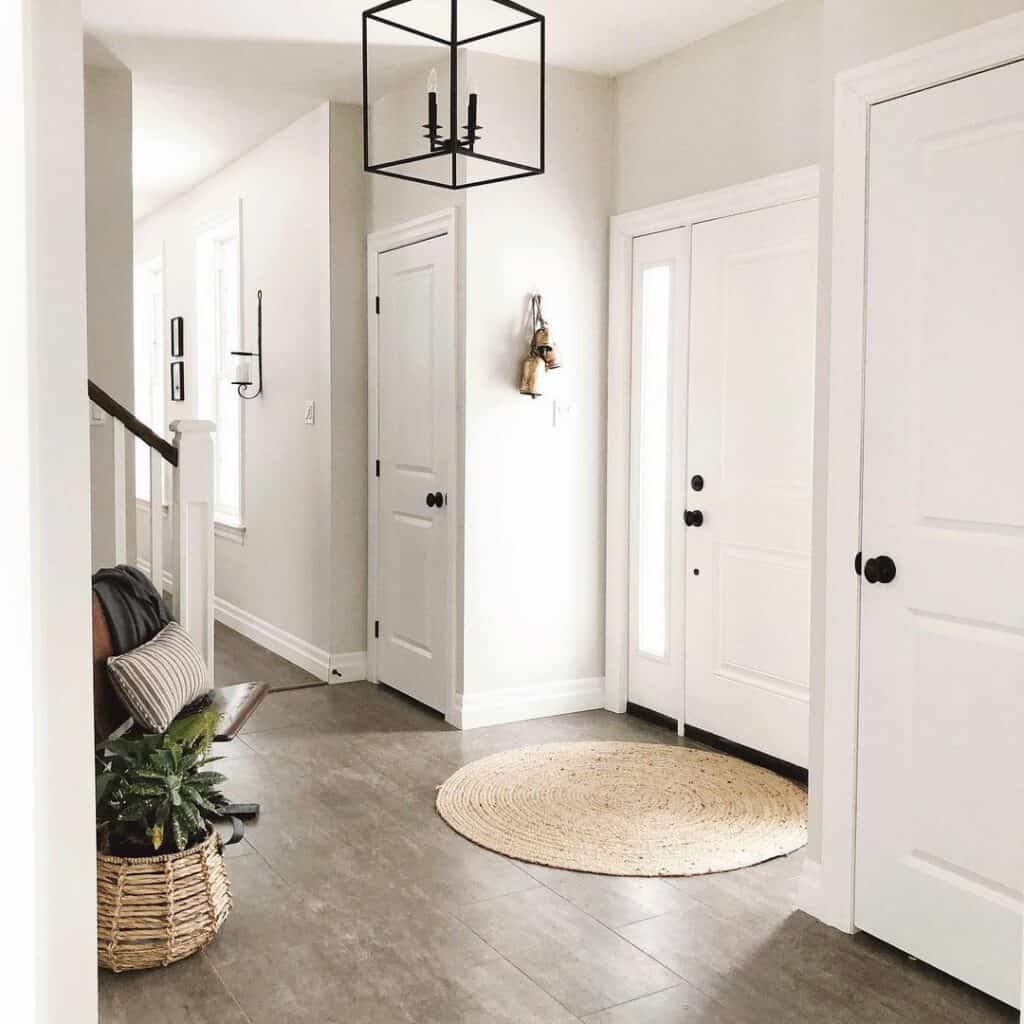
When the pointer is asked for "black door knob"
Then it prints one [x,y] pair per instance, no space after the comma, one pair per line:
[435,500]
[430,501]
[880,570]
[693,517]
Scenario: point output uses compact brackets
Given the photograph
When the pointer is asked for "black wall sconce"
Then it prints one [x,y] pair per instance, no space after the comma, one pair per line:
[243,362]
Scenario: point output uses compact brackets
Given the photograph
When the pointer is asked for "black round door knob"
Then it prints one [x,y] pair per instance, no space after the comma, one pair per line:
[435,500]
[431,501]
[693,517]
[880,570]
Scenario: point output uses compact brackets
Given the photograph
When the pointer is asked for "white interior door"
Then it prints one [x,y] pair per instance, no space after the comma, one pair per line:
[415,357]
[940,829]
[748,562]
[661,284]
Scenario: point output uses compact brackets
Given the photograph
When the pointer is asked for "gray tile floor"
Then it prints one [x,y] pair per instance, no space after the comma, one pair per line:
[238,660]
[355,904]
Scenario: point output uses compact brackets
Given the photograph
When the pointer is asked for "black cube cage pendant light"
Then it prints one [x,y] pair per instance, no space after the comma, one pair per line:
[450,146]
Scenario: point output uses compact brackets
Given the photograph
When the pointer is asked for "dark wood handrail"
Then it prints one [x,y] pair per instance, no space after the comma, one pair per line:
[132,424]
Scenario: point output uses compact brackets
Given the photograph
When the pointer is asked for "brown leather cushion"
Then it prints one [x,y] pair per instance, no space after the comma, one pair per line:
[108,711]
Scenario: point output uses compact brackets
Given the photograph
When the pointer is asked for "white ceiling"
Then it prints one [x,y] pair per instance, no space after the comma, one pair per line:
[213,78]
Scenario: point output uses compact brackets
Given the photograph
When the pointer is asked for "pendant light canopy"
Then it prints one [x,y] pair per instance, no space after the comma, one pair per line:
[432,69]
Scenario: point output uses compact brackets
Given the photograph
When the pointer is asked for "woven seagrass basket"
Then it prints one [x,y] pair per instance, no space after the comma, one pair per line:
[153,911]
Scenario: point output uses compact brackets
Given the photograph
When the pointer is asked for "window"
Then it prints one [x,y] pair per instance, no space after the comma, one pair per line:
[150,363]
[655,327]
[219,332]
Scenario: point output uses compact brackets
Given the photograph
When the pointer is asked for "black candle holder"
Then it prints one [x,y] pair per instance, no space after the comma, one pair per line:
[257,355]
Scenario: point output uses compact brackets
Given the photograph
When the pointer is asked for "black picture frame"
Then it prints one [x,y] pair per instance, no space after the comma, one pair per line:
[177,382]
[177,336]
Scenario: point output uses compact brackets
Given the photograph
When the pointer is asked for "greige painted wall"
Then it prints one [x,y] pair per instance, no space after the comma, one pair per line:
[281,574]
[349,195]
[109,286]
[739,105]
[534,492]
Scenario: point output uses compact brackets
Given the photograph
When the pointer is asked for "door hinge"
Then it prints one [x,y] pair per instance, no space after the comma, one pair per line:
[378,467]
[376,630]
[378,305]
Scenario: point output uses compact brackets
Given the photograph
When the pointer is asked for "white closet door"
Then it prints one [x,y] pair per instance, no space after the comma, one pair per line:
[416,353]
[940,808]
[748,565]
[661,282]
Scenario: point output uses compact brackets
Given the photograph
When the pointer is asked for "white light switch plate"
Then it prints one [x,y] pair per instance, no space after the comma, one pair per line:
[309,416]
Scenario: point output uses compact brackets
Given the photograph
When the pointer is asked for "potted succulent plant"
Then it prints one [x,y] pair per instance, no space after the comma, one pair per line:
[163,892]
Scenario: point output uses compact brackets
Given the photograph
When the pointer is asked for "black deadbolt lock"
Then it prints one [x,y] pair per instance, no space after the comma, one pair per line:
[697,482]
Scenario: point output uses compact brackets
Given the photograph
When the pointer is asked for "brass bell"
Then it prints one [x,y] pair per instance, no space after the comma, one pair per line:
[529,381]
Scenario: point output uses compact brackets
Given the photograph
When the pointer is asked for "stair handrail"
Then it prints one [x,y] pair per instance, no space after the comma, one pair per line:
[112,407]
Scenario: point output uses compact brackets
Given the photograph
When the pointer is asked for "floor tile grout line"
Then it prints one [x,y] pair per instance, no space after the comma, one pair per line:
[532,981]
[227,988]
[647,995]
[624,938]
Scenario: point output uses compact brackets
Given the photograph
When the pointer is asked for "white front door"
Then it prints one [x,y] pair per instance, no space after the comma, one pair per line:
[661,286]
[416,360]
[940,806]
[749,469]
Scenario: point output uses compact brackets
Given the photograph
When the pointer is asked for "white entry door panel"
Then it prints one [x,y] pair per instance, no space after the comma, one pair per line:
[416,351]
[661,287]
[751,421]
[940,809]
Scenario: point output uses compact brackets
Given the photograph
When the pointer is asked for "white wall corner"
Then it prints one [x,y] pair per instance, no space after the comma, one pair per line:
[811,894]
[348,668]
[520,703]
[313,659]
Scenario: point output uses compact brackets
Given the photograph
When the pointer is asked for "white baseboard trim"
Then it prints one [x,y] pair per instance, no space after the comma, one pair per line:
[519,703]
[811,893]
[348,668]
[290,647]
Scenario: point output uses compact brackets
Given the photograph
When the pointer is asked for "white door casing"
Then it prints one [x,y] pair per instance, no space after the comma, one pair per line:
[750,438]
[660,318]
[411,547]
[940,833]
[626,229]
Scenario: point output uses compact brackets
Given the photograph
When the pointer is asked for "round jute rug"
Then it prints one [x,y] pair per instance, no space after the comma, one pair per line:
[625,808]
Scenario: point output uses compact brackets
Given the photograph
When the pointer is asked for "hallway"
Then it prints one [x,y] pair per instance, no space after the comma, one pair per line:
[355,903]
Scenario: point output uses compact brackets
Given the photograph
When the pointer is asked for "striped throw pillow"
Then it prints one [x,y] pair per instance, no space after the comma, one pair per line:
[156,680]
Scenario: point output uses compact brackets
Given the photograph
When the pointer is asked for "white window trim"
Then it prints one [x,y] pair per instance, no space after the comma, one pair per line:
[212,228]
[234,532]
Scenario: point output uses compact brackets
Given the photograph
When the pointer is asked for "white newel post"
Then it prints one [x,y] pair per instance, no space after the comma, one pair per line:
[192,530]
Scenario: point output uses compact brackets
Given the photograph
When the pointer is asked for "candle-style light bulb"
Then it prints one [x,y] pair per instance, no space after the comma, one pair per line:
[431,125]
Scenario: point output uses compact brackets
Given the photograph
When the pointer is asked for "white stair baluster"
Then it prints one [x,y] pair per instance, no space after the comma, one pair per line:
[120,494]
[192,529]
[156,519]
